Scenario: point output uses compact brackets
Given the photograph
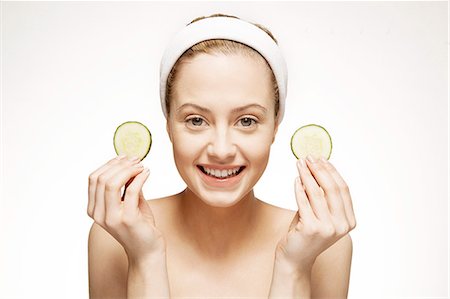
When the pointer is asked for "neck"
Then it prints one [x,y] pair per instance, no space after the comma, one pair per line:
[218,232]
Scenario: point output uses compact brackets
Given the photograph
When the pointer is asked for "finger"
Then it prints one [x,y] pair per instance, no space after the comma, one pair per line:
[93,177]
[131,202]
[104,182]
[345,192]
[315,196]
[304,208]
[114,185]
[329,186]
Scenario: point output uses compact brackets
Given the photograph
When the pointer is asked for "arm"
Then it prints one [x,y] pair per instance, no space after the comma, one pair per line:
[289,283]
[148,279]
[107,265]
[331,271]
[108,269]
[329,277]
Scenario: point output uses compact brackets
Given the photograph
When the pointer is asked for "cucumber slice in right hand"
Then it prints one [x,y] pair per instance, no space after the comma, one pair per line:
[133,139]
[312,140]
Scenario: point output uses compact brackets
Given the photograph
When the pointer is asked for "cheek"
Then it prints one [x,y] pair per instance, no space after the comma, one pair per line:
[184,147]
[256,146]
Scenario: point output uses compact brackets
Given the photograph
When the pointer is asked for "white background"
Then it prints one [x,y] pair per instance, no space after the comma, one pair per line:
[374,74]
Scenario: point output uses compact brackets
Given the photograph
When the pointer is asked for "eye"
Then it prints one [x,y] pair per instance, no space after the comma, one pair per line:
[195,121]
[247,121]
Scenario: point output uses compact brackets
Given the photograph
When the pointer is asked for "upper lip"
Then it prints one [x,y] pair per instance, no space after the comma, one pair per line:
[220,167]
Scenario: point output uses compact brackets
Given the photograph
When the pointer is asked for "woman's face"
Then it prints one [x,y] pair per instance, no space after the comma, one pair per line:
[222,121]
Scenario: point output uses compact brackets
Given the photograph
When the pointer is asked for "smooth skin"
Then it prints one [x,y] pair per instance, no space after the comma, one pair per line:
[217,242]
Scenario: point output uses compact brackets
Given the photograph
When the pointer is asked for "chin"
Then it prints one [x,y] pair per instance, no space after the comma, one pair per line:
[217,198]
[220,199]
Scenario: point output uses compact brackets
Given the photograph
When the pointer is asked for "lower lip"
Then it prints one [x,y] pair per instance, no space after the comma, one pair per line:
[216,182]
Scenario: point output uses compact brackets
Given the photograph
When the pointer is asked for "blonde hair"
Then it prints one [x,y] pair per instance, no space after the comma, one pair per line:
[219,46]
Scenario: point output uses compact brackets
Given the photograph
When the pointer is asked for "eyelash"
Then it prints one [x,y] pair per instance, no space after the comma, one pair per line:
[251,119]
[189,121]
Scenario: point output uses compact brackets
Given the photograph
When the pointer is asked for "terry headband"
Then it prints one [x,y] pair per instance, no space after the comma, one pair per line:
[230,29]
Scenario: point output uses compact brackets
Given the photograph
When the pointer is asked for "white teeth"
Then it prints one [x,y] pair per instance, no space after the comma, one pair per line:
[221,173]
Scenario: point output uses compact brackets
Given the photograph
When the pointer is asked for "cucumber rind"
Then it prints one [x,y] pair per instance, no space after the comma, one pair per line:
[316,125]
[140,124]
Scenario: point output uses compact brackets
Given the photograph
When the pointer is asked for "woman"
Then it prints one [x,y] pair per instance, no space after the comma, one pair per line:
[223,101]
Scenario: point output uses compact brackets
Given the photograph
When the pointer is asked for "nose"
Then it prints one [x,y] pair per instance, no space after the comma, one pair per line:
[221,147]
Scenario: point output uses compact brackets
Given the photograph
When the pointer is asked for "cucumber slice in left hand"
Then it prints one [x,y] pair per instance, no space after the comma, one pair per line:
[133,139]
[311,140]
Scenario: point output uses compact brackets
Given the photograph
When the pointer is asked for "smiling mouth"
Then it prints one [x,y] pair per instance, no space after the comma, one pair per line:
[219,174]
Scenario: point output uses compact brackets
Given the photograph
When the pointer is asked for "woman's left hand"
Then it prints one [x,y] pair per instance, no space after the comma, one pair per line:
[323,216]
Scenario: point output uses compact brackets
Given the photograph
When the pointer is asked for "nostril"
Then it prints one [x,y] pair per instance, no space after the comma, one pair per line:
[222,149]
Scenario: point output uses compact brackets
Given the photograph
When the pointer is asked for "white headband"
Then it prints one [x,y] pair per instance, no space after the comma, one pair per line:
[230,29]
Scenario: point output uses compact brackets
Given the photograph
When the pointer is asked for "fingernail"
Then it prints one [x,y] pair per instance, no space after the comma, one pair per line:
[146,171]
[311,159]
[302,162]
[121,157]
[139,165]
[324,160]
[133,158]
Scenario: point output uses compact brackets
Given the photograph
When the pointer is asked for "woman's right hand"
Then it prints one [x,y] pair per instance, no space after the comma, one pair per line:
[130,221]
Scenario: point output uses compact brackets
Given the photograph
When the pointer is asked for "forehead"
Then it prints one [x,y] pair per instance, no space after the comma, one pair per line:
[223,81]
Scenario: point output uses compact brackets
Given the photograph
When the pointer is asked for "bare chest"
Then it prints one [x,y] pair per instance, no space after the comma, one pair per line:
[207,279]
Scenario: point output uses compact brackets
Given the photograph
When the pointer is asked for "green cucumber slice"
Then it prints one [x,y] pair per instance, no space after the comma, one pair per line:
[133,139]
[312,140]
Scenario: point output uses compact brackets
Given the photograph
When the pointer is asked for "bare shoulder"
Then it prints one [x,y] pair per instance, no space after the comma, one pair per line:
[284,214]
[162,209]
[107,263]
[330,275]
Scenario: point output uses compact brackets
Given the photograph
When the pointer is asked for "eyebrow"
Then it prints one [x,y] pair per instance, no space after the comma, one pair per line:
[235,110]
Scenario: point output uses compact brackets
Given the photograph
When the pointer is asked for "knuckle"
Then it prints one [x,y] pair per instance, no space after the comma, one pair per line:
[127,220]
[345,188]
[111,221]
[122,161]
[98,220]
[111,186]
[318,167]
[317,193]
[342,229]
[311,229]
[328,231]
[127,162]
[353,224]
[114,160]
[102,179]
[333,189]
[108,187]
[327,166]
